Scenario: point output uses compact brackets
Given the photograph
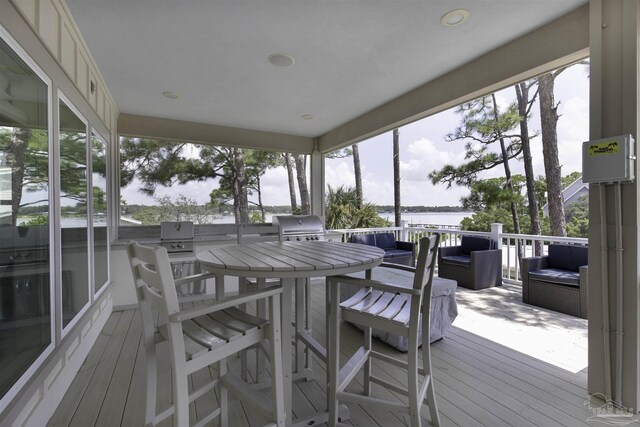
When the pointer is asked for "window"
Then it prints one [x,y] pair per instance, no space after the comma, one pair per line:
[99,204]
[25,297]
[74,215]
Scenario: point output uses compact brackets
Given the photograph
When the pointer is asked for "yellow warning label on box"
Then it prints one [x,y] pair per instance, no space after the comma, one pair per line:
[610,147]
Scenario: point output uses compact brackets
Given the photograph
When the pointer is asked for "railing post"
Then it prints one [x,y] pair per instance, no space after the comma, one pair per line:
[404,223]
[496,234]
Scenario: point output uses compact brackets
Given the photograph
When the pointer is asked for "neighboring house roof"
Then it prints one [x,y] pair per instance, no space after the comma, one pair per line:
[571,194]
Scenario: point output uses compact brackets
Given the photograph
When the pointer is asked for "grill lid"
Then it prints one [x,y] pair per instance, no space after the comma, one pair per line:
[181,230]
[298,224]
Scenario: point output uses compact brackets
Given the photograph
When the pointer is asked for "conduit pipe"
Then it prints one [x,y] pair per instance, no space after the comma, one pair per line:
[619,291]
[605,291]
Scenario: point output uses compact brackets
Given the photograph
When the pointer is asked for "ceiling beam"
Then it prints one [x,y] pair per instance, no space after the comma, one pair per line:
[179,130]
[558,43]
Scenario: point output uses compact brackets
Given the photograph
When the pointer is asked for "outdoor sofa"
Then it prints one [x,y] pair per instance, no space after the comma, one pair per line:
[557,281]
[395,251]
[474,264]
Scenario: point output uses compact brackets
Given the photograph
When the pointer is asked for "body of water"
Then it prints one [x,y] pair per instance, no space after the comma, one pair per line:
[430,218]
[438,218]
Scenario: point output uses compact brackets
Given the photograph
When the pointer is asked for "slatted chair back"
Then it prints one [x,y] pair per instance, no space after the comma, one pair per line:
[423,279]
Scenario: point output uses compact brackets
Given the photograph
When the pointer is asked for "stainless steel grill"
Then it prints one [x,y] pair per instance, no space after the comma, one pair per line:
[177,236]
[301,228]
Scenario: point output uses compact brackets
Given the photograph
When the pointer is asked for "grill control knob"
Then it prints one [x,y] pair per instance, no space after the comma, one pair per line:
[297,238]
[308,237]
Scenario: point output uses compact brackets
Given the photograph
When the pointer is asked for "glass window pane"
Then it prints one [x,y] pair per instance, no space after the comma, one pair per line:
[100,237]
[73,203]
[25,315]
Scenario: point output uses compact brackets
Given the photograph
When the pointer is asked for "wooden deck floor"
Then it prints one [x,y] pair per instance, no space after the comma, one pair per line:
[539,379]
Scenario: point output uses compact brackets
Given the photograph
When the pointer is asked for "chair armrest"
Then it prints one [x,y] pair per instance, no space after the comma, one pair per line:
[225,303]
[449,250]
[488,255]
[405,246]
[397,267]
[194,278]
[534,263]
[531,264]
[486,266]
[365,283]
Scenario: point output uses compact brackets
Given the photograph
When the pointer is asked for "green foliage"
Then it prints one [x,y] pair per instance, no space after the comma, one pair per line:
[180,209]
[255,217]
[342,211]
[481,221]
[165,163]
[577,216]
[38,220]
[490,202]
[482,125]
[570,179]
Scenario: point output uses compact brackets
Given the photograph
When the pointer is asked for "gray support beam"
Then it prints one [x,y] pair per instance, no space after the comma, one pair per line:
[317,182]
[614,107]
[179,130]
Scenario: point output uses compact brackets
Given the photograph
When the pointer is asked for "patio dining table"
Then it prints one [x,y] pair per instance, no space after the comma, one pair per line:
[292,262]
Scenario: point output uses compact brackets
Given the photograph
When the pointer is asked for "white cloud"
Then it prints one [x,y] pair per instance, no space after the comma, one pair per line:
[573,130]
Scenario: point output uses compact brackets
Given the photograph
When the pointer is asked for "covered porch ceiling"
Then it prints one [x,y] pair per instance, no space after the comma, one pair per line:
[361,67]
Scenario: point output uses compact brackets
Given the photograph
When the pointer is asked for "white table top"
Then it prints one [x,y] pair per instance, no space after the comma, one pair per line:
[290,259]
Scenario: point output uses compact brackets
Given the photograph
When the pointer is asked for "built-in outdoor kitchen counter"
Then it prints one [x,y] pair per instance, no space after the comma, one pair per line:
[204,237]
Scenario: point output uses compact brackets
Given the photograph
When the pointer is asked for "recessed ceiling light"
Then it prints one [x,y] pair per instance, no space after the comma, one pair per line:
[455,17]
[170,94]
[307,116]
[281,59]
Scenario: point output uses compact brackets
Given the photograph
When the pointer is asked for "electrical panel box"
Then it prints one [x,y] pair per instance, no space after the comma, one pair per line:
[609,160]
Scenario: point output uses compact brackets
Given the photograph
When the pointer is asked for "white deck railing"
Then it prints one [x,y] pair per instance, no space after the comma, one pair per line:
[511,244]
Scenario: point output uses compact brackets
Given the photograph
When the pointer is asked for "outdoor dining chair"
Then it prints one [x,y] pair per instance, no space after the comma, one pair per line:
[268,233]
[200,336]
[392,308]
[262,233]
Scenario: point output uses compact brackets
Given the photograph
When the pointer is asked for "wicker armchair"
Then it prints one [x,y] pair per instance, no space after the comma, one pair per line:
[475,264]
[557,281]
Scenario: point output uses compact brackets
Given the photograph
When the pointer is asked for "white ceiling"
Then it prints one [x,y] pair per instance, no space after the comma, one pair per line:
[350,55]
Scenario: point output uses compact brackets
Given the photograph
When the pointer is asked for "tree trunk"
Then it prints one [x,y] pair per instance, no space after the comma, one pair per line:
[552,169]
[240,200]
[260,205]
[358,174]
[522,93]
[396,178]
[507,171]
[301,174]
[16,154]
[292,185]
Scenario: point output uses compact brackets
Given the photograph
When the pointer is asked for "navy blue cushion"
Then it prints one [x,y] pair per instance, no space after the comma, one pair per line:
[555,275]
[463,260]
[385,241]
[568,257]
[472,243]
[364,239]
[391,253]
